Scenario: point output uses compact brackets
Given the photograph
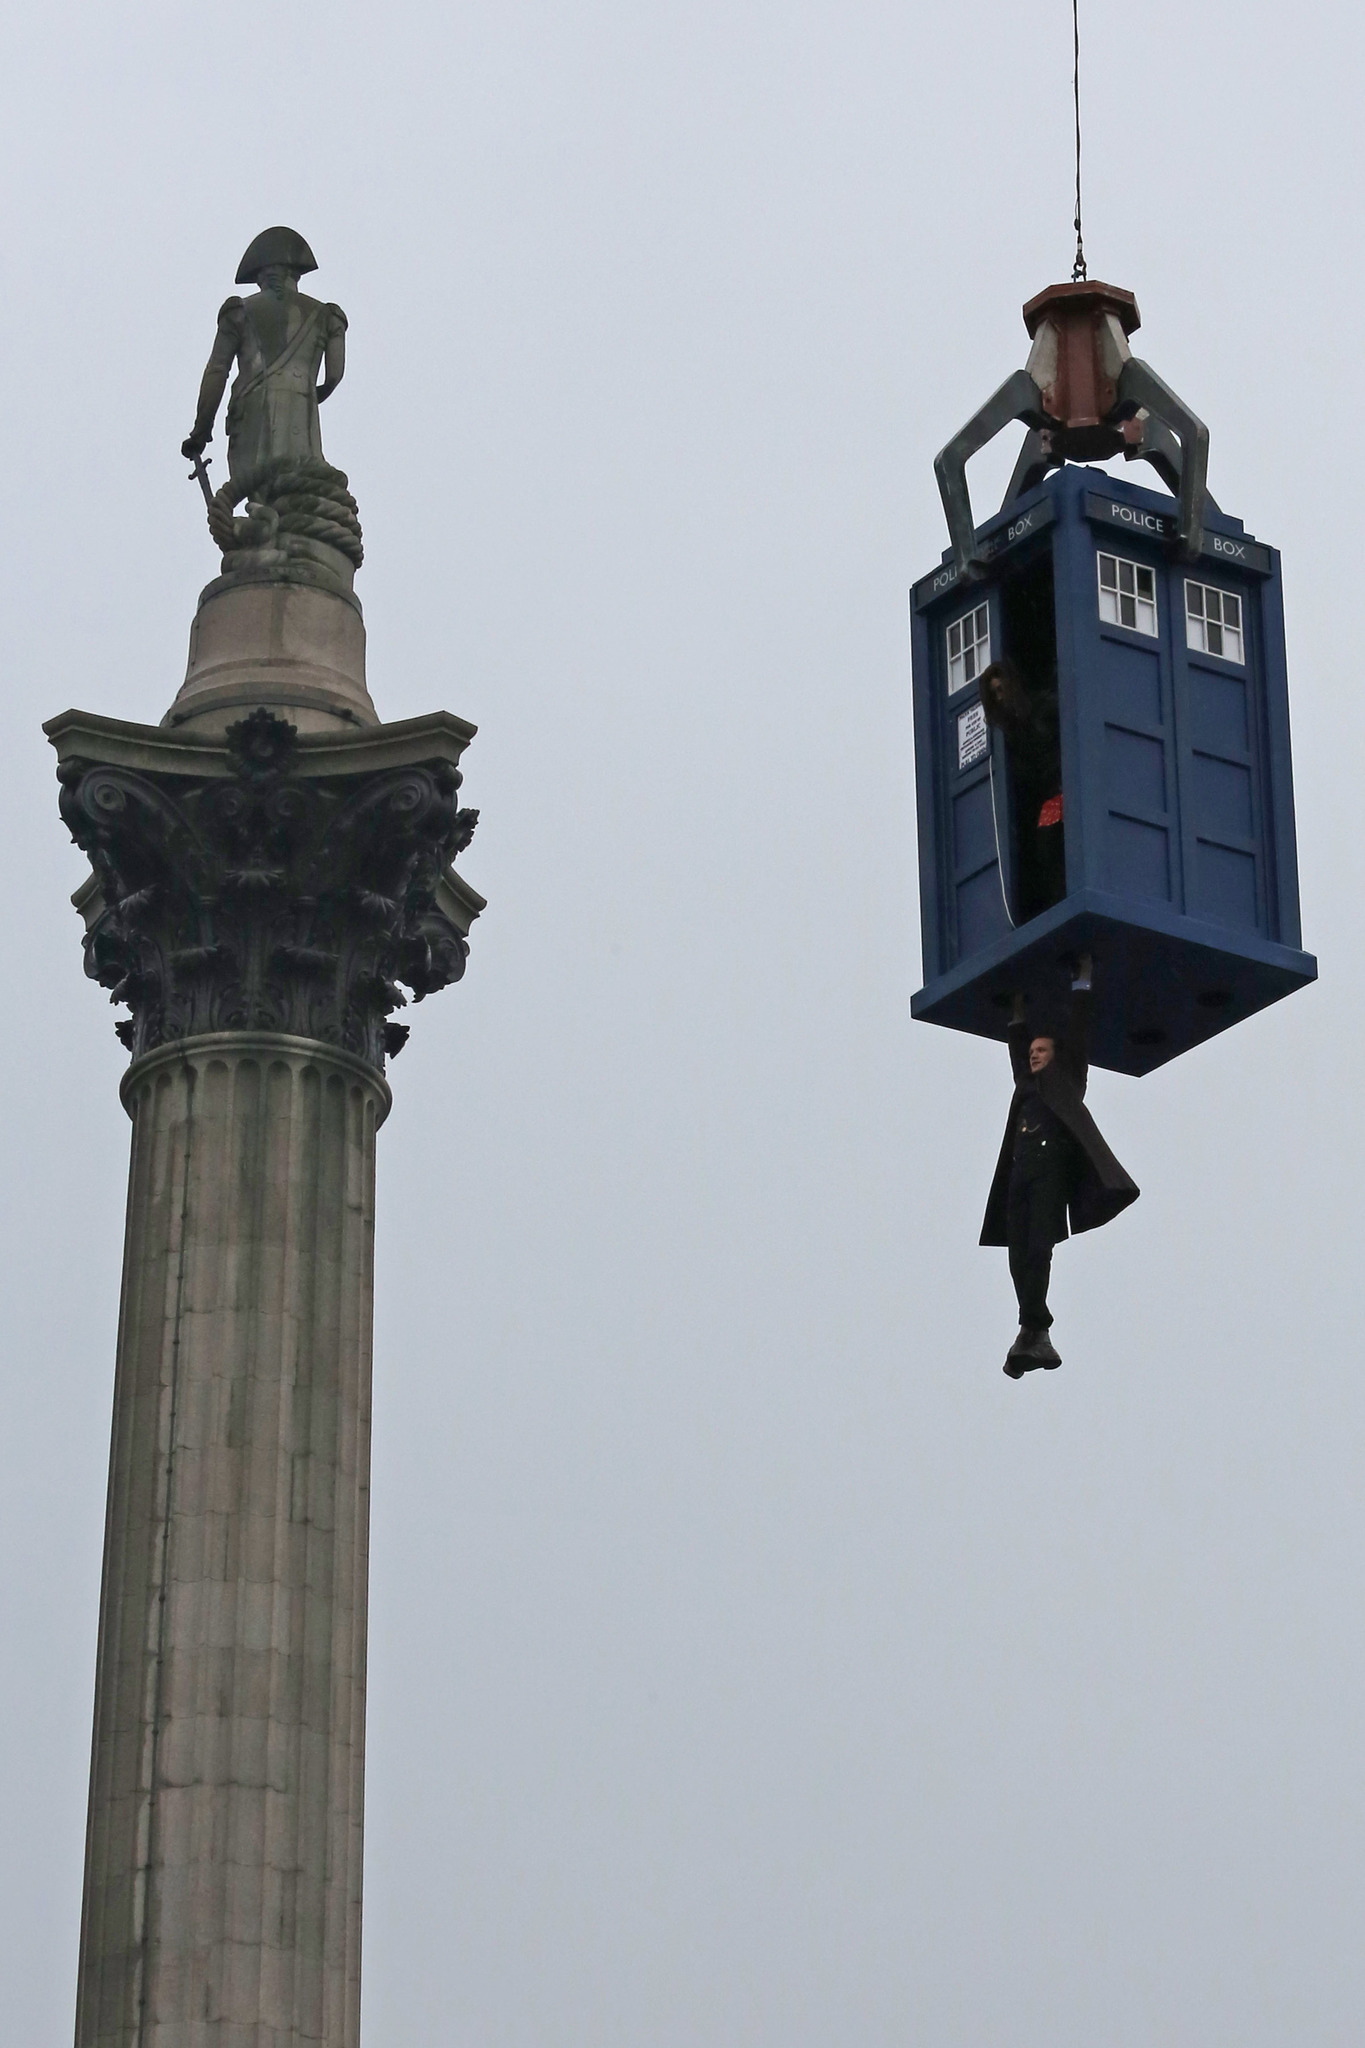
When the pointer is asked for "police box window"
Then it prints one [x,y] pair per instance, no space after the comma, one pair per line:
[1213,622]
[969,648]
[1127,594]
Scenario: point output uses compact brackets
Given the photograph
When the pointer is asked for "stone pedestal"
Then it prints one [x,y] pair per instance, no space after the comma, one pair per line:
[270,870]
[296,649]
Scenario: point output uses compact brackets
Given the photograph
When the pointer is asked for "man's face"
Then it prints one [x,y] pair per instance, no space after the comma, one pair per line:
[1041,1054]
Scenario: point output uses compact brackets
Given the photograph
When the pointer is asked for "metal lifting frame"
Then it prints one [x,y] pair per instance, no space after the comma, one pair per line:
[1171,437]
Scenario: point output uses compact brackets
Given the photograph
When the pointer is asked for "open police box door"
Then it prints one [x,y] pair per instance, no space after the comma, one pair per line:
[1176,866]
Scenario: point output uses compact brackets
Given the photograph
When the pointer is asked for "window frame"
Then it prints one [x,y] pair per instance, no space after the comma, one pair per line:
[1117,592]
[1220,625]
[967,653]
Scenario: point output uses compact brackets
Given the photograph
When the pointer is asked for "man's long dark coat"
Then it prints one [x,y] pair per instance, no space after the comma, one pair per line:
[1100,1187]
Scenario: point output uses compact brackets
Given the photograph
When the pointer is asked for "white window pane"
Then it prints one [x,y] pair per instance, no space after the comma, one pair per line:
[1128,595]
[969,647]
[1219,631]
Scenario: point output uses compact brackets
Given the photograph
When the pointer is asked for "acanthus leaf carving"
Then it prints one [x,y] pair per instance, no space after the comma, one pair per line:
[273,899]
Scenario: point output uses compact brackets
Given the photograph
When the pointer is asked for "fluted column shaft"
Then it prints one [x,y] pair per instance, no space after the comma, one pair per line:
[223,1864]
[259,900]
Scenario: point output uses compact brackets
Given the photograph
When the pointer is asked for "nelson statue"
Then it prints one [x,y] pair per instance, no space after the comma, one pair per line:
[279,339]
[301,524]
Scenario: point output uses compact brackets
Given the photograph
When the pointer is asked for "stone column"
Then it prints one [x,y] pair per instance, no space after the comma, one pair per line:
[223,1876]
[263,888]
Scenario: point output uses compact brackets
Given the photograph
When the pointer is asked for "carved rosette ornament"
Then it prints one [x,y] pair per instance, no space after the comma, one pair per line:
[281,890]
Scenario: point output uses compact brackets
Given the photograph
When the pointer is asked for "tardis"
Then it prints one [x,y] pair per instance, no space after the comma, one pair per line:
[1170,851]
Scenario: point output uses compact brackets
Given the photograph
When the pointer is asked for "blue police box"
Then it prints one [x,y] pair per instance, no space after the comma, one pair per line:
[1172,712]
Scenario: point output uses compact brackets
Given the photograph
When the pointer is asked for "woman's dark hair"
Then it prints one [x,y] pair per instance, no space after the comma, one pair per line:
[1006,704]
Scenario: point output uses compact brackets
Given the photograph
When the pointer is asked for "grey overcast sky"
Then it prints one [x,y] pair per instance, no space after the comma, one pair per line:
[752,1665]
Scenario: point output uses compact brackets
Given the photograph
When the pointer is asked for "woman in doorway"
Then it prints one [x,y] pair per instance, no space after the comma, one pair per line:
[1028,721]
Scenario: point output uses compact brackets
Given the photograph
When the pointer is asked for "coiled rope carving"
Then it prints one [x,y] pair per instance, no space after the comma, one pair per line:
[307,498]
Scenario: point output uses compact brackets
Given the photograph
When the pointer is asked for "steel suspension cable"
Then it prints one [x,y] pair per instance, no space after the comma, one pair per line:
[1078,269]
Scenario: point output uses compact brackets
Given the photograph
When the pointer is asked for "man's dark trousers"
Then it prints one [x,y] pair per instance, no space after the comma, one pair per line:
[1035,1220]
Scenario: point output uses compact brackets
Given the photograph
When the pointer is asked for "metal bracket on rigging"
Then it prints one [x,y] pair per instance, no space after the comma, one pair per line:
[1084,397]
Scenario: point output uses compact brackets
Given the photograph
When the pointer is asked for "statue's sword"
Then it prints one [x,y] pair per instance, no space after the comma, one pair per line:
[200,473]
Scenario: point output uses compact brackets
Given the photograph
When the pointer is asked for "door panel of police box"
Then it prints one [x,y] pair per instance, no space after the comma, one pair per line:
[1220,715]
[1128,720]
[976,800]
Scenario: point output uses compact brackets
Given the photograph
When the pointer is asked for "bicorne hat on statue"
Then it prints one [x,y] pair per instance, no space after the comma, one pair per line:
[275,245]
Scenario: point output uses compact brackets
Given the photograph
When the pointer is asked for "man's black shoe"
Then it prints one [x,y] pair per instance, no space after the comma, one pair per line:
[1030,1350]
[1017,1359]
[1037,1348]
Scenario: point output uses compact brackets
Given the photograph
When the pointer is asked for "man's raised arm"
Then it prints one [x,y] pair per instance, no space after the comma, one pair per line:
[1077,1050]
[1018,1038]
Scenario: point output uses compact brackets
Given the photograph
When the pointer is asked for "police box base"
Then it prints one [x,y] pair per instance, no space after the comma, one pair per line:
[1162,983]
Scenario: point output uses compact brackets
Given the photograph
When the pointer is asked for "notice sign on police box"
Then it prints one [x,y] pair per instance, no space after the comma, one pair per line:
[973,736]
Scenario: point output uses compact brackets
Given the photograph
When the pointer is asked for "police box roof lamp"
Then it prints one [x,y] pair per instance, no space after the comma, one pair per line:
[1084,396]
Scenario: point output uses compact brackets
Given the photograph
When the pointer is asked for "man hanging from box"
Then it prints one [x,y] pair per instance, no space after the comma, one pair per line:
[1053,1160]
